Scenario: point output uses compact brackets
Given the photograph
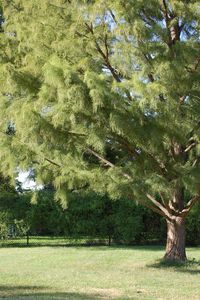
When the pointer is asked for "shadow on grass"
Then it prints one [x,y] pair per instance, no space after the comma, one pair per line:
[124,247]
[39,293]
[191,266]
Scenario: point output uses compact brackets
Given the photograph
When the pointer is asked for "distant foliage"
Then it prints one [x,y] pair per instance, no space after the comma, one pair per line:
[4,225]
[193,227]
[87,215]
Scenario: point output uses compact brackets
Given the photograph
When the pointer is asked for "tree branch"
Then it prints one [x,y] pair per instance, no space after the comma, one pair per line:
[196,161]
[165,11]
[112,15]
[155,209]
[191,146]
[159,205]
[159,208]
[105,161]
[189,205]
[52,162]
[105,57]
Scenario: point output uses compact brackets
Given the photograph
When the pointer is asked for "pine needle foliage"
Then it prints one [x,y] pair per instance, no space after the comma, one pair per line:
[105,95]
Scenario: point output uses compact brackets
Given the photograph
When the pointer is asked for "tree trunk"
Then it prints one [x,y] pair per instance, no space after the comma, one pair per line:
[175,248]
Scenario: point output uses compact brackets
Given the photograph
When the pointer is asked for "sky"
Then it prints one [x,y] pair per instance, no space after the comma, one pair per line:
[26,182]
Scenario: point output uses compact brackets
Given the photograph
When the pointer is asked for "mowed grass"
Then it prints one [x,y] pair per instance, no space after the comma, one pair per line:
[58,273]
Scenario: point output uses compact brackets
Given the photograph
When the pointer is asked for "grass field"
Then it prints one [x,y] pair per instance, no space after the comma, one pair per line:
[58,273]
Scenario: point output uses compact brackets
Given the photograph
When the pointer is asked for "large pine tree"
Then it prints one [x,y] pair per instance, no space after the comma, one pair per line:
[105,94]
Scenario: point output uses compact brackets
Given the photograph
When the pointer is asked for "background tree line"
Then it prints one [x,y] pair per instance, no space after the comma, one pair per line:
[88,215]
[109,93]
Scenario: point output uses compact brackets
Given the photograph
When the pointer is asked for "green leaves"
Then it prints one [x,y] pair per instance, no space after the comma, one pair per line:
[121,79]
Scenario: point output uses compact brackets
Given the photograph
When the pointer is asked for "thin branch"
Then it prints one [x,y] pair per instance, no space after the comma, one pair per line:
[52,162]
[147,19]
[166,12]
[107,62]
[189,205]
[191,146]
[81,34]
[196,161]
[160,165]
[76,133]
[155,209]
[106,45]
[197,64]
[105,57]
[112,15]
[150,75]
[126,145]
[107,162]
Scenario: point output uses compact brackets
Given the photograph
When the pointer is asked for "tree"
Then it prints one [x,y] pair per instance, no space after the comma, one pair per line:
[8,199]
[105,95]
[47,216]
[96,216]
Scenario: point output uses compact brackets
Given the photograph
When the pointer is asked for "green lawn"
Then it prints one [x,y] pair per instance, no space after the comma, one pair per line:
[91,273]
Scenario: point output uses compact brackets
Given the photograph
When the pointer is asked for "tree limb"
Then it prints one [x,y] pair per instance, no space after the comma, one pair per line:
[52,162]
[105,57]
[159,205]
[155,209]
[159,208]
[191,146]
[107,162]
[189,205]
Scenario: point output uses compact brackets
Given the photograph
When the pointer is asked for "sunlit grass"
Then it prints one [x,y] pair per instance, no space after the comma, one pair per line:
[95,273]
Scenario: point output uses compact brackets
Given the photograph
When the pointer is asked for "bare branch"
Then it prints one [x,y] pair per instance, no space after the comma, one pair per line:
[159,205]
[52,162]
[106,45]
[196,161]
[189,205]
[155,209]
[105,57]
[112,15]
[165,11]
[107,162]
[191,146]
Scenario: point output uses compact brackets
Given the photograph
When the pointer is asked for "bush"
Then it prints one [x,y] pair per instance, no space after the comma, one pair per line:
[4,225]
[193,226]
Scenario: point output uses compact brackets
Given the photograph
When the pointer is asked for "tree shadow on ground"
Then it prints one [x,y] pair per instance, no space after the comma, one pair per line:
[42,293]
[148,248]
[191,266]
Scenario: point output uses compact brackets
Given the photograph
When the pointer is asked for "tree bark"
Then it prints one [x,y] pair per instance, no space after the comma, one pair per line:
[175,247]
